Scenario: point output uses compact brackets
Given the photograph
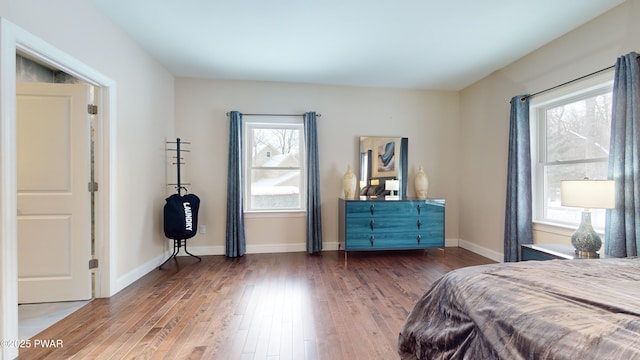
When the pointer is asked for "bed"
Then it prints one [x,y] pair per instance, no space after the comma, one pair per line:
[557,309]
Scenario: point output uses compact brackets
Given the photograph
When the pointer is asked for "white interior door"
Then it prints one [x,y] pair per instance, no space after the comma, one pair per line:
[54,221]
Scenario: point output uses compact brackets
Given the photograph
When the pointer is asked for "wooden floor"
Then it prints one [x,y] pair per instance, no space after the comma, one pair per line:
[259,306]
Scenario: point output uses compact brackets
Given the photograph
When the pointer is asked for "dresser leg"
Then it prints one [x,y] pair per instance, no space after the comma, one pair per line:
[442,250]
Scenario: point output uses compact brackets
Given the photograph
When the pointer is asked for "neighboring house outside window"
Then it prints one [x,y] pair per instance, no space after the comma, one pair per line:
[570,131]
[274,159]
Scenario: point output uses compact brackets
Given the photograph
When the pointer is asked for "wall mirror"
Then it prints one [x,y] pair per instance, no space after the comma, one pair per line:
[382,158]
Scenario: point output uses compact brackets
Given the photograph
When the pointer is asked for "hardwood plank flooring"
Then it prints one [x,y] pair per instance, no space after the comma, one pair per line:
[259,306]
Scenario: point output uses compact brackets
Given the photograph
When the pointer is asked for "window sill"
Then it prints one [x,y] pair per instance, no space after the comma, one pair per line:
[275,214]
[558,229]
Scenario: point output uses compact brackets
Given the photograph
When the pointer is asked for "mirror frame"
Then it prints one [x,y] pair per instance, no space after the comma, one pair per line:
[382,158]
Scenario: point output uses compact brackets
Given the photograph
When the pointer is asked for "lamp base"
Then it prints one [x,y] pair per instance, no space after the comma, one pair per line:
[587,254]
[585,240]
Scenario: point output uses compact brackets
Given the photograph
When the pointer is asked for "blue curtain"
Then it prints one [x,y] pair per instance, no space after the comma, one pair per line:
[518,228]
[314,218]
[235,243]
[622,230]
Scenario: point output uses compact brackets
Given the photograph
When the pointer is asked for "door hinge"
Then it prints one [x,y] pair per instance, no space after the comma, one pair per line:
[93,264]
[92,109]
[92,186]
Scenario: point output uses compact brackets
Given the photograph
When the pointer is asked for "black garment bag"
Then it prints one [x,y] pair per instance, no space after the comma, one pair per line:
[181,216]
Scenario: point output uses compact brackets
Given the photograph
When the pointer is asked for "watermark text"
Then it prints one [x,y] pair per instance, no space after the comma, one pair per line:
[32,343]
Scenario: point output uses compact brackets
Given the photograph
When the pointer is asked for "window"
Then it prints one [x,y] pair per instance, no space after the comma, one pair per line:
[570,140]
[274,159]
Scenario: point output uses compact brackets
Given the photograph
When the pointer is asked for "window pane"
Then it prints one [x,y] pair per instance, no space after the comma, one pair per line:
[275,166]
[275,189]
[276,147]
[553,174]
[579,130]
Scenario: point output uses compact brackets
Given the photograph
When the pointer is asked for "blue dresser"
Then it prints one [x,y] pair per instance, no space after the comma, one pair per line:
[378,224]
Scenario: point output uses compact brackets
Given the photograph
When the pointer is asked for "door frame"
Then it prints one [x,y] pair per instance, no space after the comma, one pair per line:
[13,39]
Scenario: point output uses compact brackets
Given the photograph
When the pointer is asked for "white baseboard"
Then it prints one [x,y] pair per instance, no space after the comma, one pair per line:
[202,250]
[279,248]
[258,249]
[488,253]
[330,246]
[276,248]
[451,243]
[135,274]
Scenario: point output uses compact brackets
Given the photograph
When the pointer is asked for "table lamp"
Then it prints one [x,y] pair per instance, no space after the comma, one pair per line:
[392,186]
[587,194]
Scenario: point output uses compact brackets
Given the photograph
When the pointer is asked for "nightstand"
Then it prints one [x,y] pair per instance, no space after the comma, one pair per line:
[550,252]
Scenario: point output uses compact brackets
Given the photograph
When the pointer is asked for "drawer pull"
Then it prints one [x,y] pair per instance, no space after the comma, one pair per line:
[419,224]
[419,208]
[372,208]
[372,224]
[419,238]
[372,239]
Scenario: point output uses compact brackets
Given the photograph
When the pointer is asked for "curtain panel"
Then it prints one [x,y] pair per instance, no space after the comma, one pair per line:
[235,244]
[622,229]
[314,216]
[518,214]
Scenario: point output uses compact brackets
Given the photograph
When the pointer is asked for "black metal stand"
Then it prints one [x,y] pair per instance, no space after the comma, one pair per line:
[177,244]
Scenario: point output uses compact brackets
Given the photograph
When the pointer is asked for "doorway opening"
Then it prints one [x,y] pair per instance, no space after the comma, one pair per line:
[51,90]
[14,40]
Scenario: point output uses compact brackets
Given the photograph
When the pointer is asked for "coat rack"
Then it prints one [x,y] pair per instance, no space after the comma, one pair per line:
[179,161]
[178,243]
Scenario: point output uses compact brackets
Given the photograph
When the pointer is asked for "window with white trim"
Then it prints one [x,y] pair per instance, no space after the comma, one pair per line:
[570,130]
[274,164]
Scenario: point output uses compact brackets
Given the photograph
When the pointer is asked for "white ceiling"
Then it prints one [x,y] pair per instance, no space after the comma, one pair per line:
[425,44]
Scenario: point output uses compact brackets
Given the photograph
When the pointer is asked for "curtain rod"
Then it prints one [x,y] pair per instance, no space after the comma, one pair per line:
[567,83]
[317,115]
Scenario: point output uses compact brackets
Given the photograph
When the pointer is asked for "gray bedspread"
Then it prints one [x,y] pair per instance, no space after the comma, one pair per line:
[558,309]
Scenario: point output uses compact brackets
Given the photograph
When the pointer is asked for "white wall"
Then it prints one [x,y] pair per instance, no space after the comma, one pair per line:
[428,118]
[144,118]
[484,111]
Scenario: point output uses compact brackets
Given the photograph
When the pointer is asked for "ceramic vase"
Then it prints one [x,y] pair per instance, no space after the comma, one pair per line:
[585,240]
[349,183]
[421,184]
